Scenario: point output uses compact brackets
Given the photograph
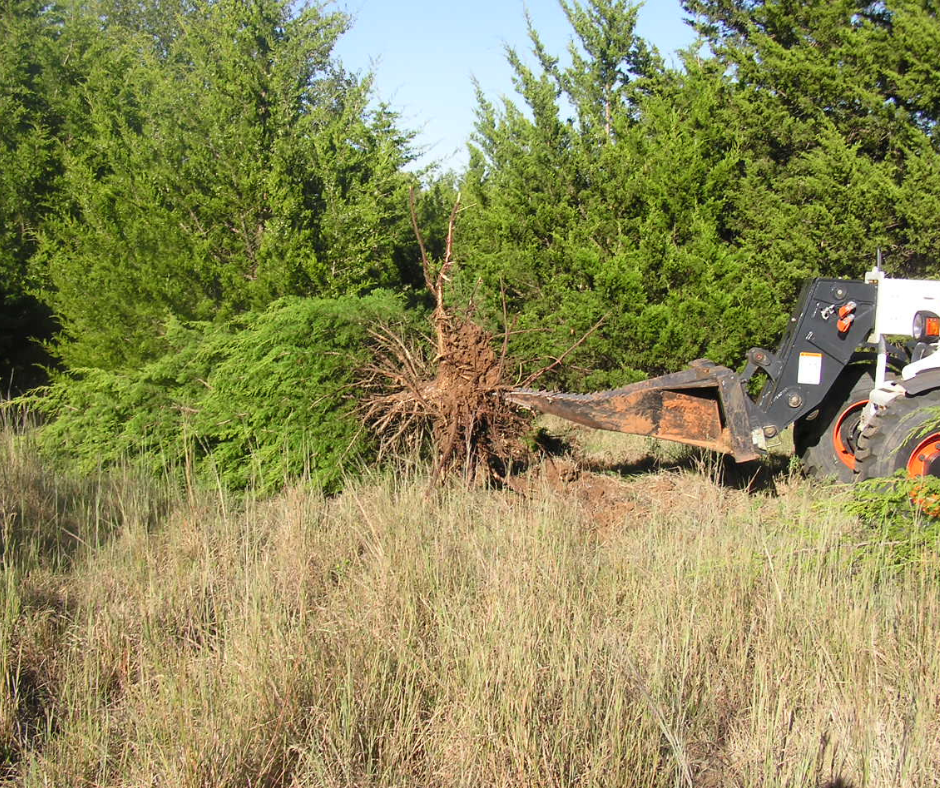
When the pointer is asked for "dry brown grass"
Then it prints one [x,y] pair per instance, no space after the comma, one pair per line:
[707,637]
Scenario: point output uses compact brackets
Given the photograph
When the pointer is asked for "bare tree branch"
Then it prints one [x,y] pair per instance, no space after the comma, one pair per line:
[536,375]
[425,264]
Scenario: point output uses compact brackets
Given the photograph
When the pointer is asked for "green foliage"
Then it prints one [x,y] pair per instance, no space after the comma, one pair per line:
[34,84]
[256,400]
[25,148]
[836,105]
[688,206]
[902,511]
[618,214]
[225,161]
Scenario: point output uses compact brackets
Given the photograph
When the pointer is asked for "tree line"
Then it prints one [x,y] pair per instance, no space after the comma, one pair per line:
[180,168]
[688,204]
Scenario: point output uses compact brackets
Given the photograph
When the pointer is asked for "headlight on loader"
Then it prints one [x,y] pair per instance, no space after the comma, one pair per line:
[926,327]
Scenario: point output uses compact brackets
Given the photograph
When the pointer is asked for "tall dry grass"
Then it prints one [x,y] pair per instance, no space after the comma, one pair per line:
[172,637]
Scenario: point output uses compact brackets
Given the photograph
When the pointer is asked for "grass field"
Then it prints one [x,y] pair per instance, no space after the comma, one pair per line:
[642,624]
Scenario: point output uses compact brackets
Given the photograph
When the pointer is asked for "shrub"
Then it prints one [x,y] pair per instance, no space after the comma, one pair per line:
[256,400]
[903,512]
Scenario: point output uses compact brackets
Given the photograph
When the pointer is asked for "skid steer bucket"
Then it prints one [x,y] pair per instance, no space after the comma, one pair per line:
[704,405]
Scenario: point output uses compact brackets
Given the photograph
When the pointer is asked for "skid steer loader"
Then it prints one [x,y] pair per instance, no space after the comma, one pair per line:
[862,405]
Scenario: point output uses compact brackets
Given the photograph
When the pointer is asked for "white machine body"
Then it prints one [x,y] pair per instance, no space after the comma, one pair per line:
[899,300]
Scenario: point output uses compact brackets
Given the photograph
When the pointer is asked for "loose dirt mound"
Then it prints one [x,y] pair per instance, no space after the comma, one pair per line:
[618,481]
[607,501]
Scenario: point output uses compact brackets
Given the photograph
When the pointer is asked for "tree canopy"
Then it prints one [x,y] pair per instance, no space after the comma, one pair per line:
[684,207]
[213,157]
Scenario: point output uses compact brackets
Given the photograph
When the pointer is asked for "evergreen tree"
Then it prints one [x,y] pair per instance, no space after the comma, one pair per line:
[34,83]
[226,161]
[836,104]
[257,400]
[688,206]
[605,59]
[616,213]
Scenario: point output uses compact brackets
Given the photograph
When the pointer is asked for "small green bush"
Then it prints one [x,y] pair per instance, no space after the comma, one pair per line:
[902,511]
[257,400]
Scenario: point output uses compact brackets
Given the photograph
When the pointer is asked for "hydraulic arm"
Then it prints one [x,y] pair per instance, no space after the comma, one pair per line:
[707,405]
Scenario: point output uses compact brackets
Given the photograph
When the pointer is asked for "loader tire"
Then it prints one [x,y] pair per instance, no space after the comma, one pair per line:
[826,444]
[903,436]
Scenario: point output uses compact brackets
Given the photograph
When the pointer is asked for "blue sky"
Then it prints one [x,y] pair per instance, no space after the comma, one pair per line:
[425,54]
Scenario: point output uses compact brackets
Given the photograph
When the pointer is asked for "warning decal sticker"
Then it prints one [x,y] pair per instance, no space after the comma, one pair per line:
[810,369]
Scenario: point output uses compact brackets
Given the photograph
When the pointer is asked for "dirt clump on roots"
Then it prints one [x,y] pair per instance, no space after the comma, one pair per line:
[447,390]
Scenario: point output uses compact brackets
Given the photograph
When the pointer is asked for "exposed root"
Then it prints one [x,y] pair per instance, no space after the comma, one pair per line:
[453,395]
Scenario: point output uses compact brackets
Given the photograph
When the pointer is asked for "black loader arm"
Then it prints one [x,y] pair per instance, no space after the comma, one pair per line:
[707,405]
[832,318]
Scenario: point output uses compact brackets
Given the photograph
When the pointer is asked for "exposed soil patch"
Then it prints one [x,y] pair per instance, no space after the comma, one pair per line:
[619,481]
[607,501]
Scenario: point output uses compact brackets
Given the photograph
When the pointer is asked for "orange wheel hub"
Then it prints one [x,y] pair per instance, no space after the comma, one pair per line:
[925,461]
[843,440]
